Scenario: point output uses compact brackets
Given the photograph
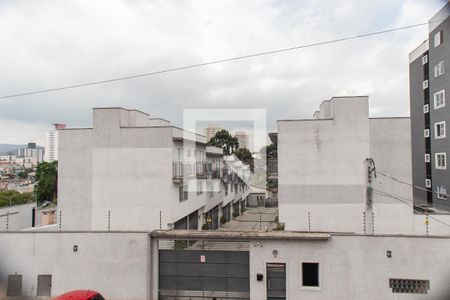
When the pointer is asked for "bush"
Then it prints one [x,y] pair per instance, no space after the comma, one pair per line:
[15,197]
[205,227]
[235,214]
[280,227]
[223,220]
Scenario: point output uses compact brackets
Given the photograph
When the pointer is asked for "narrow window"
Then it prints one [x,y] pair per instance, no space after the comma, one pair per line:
[427,158]
[310,274]
[441,160]
[428,183]
[439,130]
[441,192]
[426,108]
[199,188]
[439,69]
[425,84]
[437,38]
[426,133]
[439,99]
[424,59]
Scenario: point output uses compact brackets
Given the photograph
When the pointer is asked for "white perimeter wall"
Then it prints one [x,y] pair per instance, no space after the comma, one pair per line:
[20,217]
[355,267]
[114,264]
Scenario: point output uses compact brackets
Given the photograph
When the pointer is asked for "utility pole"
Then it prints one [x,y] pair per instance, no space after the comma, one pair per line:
[369,221]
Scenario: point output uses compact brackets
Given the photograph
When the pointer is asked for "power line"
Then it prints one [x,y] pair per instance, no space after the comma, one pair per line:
[409,184]
[213,62]
[380,193]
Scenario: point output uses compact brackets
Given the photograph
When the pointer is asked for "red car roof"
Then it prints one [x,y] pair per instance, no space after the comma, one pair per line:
[77,295]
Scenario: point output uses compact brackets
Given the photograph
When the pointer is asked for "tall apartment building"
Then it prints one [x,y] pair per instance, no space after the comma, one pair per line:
[133,172]
[32,151]
[52,143]
[429,84]
[243,139]
[211,130]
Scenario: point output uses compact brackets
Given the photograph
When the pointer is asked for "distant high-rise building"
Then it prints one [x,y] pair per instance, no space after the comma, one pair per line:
[243,139]
[31,151]
[211,130]
[51,143]
[428,86]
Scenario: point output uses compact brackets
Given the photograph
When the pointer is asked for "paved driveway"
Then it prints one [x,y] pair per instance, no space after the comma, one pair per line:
[250,220]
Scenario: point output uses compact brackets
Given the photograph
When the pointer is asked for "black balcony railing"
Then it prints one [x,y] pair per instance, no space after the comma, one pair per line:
[187,169]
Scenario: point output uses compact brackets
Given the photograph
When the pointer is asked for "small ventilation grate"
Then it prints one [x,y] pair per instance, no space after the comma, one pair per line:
[409,286]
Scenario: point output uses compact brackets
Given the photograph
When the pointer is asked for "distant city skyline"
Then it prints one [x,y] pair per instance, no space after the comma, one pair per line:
[288,85]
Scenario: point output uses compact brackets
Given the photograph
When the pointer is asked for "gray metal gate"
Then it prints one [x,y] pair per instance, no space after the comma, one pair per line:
[276,281]
[203,274]
[44,287]
[14,286]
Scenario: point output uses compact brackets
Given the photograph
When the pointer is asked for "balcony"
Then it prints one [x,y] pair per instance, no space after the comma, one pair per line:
[183,170]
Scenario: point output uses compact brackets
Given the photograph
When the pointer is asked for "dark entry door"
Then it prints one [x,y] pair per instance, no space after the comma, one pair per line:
[44,287]
[276,281]
[14,286]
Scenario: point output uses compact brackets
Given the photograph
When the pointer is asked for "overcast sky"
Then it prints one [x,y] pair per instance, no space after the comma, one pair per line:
[46,44]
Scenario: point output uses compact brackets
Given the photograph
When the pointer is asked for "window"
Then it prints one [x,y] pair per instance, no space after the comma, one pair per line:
[426,108]
[425,84]
[226,189]
[427,158]
[184,194]
[437,38]
[439,69]
[441,161]
[199,188]
[426,133]
[439,130]
[441,192]
[439,99]
[424,59]
[428,183]
[310,274]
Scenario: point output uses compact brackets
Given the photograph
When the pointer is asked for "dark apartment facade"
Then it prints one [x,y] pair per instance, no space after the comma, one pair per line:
[430,114]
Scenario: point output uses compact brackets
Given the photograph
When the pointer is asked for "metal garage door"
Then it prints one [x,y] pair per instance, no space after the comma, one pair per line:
[203,274]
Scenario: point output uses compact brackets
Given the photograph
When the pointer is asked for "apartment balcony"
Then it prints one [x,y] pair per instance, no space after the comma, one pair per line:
[200,169]
[182,170]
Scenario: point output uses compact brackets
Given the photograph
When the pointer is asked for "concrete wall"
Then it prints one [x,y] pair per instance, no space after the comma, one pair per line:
[115,264]
[321,168]
[323,175]
[119,174]
[355,267]
[390,148]
[20,217]
[75,179]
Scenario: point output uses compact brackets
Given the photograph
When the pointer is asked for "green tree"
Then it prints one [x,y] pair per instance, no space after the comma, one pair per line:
[46,177]
[245,156]
[14,198]
[24,174]
[224,140]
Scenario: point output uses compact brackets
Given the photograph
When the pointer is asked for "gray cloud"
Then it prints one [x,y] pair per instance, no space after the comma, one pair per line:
[47,44]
